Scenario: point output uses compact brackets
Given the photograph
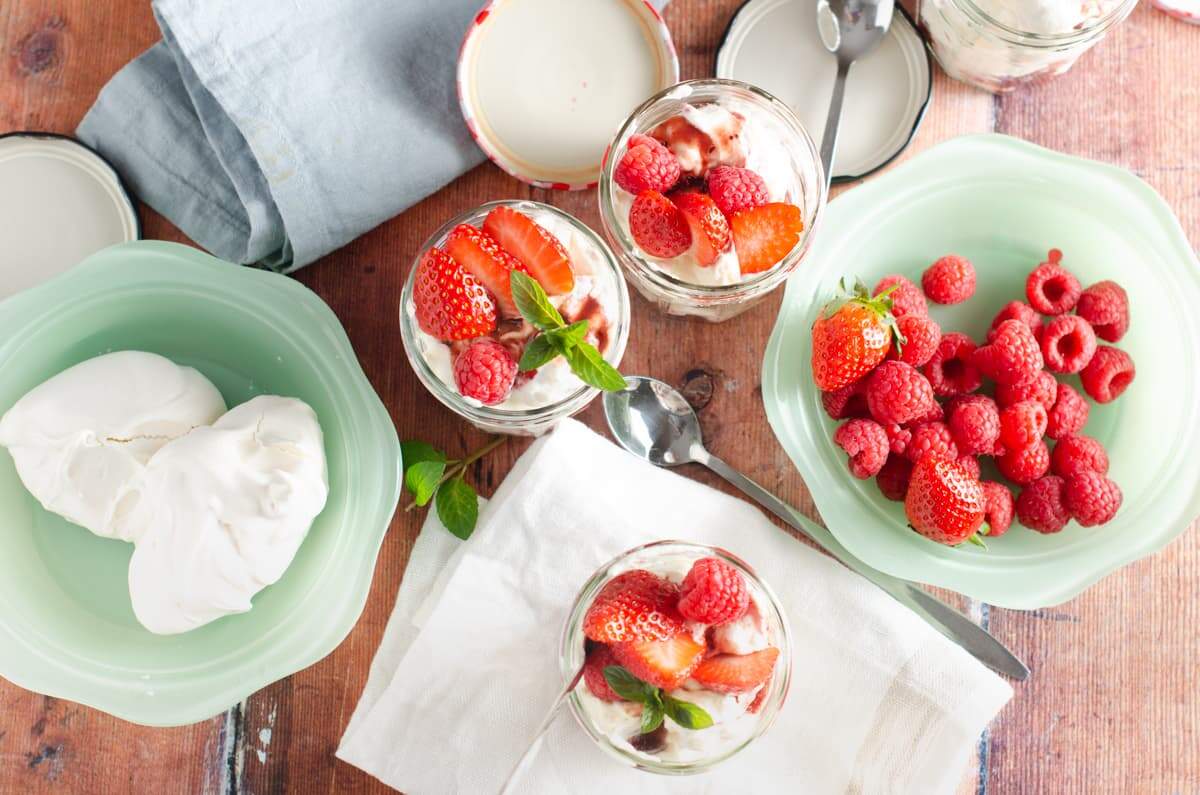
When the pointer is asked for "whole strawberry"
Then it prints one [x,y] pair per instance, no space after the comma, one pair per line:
[944,503]
[635,605]
[850,337]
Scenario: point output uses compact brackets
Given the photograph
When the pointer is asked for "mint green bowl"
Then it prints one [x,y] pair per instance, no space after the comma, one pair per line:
[1004,203]
[66,625]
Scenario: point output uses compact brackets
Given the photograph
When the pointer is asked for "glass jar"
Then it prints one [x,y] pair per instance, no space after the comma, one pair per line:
[673,559]
[528,412]
[799,167]
[998,45]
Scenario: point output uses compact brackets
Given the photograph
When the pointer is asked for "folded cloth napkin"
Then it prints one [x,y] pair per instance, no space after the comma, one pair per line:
[276,131]
[879,701]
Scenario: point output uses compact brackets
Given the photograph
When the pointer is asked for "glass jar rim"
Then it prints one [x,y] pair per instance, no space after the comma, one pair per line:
[726,293]
[486,414]
[1047,40]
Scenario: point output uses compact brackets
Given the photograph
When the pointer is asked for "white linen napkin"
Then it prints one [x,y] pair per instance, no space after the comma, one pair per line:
[468,666]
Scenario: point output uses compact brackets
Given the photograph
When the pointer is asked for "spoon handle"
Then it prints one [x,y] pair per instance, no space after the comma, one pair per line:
[951,623]
[829,139]
[535,744]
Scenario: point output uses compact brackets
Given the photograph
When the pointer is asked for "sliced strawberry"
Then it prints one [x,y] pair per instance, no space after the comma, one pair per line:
[533,245]
[764,235]
[710,229]
[450,304]
[759,698]
[481,256]
[658,226]
[736,673]
[634,605]
[662,663]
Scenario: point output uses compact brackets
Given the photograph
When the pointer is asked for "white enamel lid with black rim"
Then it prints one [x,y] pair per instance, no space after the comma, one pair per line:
[545,84]
[59,203]
[775,44]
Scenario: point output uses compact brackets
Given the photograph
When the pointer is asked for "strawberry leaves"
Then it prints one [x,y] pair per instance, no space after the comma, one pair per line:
[656,704]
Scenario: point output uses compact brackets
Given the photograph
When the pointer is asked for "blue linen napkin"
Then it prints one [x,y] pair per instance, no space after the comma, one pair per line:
[273,132]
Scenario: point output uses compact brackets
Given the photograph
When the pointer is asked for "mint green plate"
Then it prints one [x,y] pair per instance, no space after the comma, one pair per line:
[66,625]
[1004,203]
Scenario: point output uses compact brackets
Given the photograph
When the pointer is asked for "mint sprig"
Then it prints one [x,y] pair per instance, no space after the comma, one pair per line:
[430,475]
[559,339]
[656,704]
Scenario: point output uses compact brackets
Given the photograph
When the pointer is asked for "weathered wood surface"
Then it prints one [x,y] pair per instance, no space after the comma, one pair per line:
[1113,706]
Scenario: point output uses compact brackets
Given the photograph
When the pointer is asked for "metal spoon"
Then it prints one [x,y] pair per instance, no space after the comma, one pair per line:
[653,421]
[535,745]
[849,29]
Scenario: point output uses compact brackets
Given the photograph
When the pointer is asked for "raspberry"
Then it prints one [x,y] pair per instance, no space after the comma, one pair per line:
[1106,306]
[1043,389]
[897,392]
[1074,454]
[998,510]
[950,280]
[1042,505]
[1016,310]
[867,445]
[898,437]
[713,592]
[599,658]
[931,439]
[921,337]
[1026,465]
[485,371]
[1068,344]
[1050,288]
[906,298]
[893,478]
[975,423]
[949,370]
[646,165]
[935,414]
[849,401]
[1012,357]
[735,189]
[1108,374]
[1069,413]
[1092,498]
[970,464]
[1022,424]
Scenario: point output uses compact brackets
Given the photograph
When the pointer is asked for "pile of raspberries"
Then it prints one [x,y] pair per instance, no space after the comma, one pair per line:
[894,416]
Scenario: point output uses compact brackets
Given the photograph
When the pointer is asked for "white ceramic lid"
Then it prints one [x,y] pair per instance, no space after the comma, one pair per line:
[774,44]
[545,84]
[59,203]
[1187,10]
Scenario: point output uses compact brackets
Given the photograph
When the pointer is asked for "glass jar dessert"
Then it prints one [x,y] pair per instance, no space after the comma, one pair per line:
[466,337]
[999,45]
[686,657]
[709,194]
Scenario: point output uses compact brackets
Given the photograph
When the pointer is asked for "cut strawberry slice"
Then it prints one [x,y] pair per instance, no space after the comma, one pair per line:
[710,229]
[662,663]
[765,235]
[482,257]
[634,605]
[658,226]
[449,303]
[736,673]
[541,252]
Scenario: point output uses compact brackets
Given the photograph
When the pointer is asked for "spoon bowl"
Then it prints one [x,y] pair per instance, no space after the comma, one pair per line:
[654,421]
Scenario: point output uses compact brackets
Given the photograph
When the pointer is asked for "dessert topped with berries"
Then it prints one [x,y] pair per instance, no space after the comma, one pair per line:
[680,657]
[711,196]
[517,311]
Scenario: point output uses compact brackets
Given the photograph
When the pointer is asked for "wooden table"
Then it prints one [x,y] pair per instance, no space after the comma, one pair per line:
[1113,705]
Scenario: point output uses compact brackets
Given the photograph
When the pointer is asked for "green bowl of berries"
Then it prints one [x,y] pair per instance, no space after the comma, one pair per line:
[980,406]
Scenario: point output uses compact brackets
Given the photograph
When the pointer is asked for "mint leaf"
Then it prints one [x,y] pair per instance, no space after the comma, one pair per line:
[686,714]
[567,338]
[628,686]
[652,717]
[587,363]
[458,507]
[540,351]
[532,302]
[422,479]
[414,452]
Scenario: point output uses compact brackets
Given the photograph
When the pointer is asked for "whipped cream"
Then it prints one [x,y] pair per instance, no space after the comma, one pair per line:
[732,725]
[761,147]
[553,382]
[79,437]
[219,513]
